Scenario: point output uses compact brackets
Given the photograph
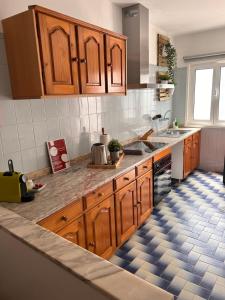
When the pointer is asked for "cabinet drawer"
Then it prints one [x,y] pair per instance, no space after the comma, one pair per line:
[63,217]
[98,195]
[144,167]
[188,140]
[124,179]
[162,154]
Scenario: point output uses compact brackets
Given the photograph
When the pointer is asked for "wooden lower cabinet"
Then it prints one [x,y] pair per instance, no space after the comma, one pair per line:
[126,212]
[187,159]
[100,228]
[74,232]
[103,220]
[196,151]
[144,196]
[191,153]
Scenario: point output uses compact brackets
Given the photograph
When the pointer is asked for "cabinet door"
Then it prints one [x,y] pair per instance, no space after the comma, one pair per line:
[195,152]
[116,64]
[92,60]
[187,159]
[74,232]
[126,212]
[100,226]
[144,196]
[59,55]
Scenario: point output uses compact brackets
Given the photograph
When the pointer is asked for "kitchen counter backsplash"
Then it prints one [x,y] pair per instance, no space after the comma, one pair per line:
[26,125]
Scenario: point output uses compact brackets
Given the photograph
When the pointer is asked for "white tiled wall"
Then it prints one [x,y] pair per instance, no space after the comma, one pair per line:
[26,125]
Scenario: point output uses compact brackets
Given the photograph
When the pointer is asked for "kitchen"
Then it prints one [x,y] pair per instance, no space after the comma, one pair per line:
[146,221]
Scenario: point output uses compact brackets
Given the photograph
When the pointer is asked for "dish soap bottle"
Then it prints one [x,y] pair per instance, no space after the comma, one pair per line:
[175,124]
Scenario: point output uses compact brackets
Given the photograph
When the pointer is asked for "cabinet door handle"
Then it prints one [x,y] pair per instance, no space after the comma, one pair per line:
[139,202]
[83,60]
[74,59]
[69,236]
[109,65]
[145,167]
[64,218]
[92,244]
[126,178]
[101,194]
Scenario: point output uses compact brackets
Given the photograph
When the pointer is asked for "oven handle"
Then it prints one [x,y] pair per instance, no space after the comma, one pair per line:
[161,171]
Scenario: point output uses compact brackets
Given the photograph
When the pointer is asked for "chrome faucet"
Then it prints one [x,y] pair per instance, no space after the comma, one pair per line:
[164,117]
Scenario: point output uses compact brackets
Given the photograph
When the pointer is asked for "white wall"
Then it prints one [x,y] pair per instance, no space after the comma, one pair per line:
[99,12]
[199,43]
[153,33]
[25,125]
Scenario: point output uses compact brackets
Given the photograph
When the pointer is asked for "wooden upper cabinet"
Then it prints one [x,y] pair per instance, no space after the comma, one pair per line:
[116,64]
[59,55]
[92,60]
[53,54]
[100,226]
[144,196]
[126,212]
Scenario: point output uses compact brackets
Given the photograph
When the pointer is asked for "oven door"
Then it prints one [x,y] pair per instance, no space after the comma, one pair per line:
[162,183]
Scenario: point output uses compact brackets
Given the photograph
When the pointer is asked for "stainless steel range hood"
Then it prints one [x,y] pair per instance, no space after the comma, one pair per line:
[136,28]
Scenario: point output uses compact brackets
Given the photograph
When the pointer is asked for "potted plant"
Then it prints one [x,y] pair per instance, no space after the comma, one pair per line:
[171,56]
[114,147]
[164,78]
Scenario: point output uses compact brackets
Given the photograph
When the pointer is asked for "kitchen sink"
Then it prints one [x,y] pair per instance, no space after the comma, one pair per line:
[172,133]
[139,147]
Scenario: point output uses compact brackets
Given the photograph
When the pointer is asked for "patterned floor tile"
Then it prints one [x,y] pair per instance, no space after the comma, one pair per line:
[158,281]
[197,290]
[218,292]
[181,247]
[185,295]
[176,285]
[208,280]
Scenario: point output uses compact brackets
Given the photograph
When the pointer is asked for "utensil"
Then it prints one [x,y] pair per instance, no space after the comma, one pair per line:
[104,139]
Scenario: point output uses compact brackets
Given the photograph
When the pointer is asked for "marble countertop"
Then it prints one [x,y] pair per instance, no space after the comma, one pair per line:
[67,186]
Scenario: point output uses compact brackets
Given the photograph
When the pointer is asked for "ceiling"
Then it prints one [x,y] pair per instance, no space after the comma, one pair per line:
[177,17]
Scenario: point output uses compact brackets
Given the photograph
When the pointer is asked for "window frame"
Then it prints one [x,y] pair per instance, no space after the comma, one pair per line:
[214,114]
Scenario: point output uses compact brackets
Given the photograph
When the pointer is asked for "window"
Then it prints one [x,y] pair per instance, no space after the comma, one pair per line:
[206,95]
[222,96]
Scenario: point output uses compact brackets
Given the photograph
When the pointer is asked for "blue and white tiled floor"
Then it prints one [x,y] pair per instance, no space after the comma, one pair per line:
[181,247]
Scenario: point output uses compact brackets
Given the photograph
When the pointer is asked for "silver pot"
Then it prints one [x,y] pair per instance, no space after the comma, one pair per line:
[115,156]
